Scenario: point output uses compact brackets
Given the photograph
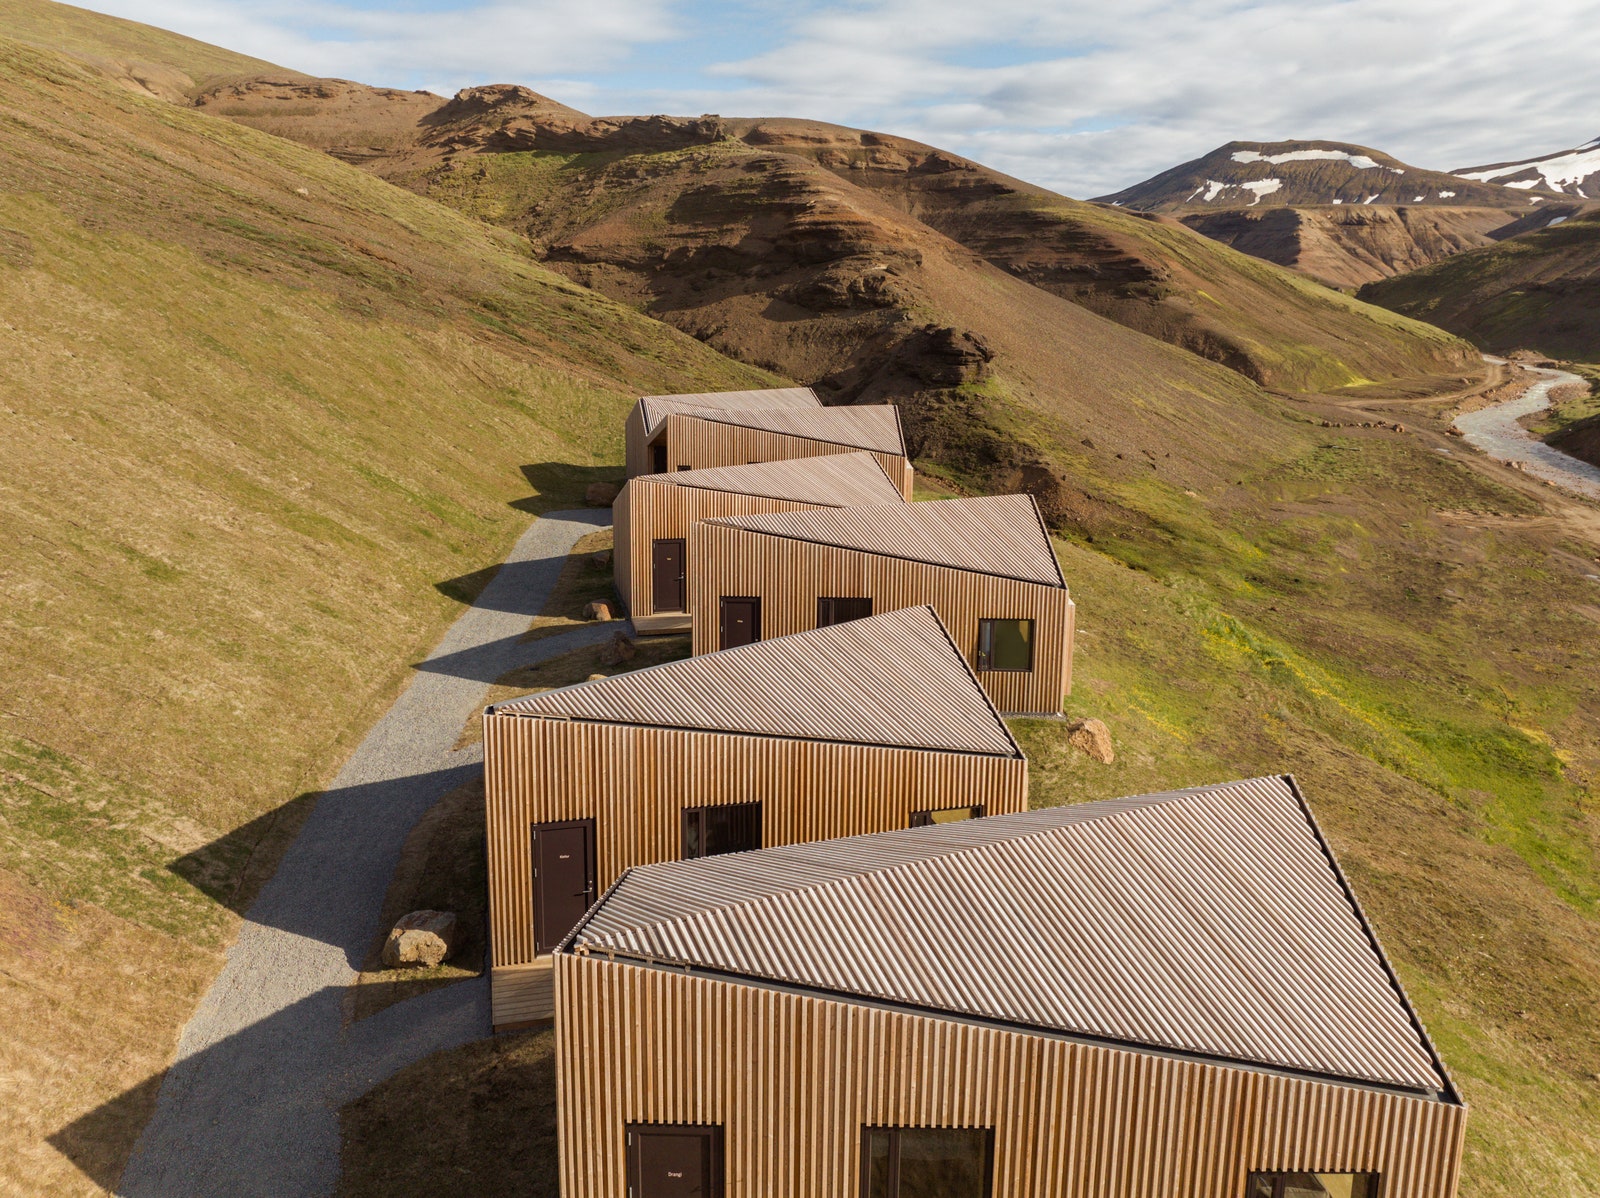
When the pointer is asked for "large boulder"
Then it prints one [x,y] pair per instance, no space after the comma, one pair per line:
[422,938]
[1091,737]
[598,610]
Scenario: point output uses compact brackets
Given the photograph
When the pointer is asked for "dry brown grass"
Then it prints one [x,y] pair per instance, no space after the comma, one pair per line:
[479,1120]
[583,580]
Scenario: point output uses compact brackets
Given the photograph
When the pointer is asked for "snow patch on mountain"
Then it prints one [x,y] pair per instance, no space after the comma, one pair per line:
[1558,171]
[1359,161]
[1262,187]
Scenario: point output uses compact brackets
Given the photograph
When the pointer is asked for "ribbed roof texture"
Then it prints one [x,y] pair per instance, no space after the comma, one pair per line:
[1000,535]
[655,408]
[870,426]
[894,680]
[837,480]
[1209,921]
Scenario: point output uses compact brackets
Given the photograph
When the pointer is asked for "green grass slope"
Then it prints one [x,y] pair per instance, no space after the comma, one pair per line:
[264,419]
[1537,291]
[140,57]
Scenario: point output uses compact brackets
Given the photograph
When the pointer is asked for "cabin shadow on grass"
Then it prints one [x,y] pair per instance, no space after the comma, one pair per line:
[560,485]
[486,1111]
[232,869]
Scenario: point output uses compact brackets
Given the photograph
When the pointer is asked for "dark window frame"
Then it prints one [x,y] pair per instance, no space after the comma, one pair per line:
[630,1150]
[983,654]
[828,607]
[894,1133]
[698,815]
[658,458]
[924,819]
[1279,1179]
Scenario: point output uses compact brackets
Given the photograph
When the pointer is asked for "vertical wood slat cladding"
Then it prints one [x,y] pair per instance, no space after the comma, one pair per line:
[648,512]
[792,1079]
[790,575]
[699,444]
[634,782]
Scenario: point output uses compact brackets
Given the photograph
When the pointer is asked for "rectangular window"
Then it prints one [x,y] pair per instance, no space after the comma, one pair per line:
[726,828]
[945,815]
[683,468]
[835,609]
[1312,1185]
[926,1162]
[658,459]
[1005,645]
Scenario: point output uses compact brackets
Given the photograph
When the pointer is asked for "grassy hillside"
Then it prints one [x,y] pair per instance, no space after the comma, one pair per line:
[1539,290]
[266,419]
[140,57]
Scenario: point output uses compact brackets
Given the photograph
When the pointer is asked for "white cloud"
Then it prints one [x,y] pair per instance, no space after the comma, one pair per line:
[1080,95]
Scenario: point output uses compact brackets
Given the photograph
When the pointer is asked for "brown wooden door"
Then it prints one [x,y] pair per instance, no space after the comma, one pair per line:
[667,560]
[741,622]
[563,879]
[674,1162]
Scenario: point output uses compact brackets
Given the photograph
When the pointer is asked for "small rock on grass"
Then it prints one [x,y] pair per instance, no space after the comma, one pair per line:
[1093,738]
[597,677]
[621,648]
[598,610]
[422,938]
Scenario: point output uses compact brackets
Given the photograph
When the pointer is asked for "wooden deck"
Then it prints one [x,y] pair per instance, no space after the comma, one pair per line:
[522,995]
[677,621]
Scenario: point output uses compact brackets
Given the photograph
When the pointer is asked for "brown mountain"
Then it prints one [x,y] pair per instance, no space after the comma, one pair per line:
[816,247]
[1342,214]
[1293,174]
[1573,172]
[1539,290]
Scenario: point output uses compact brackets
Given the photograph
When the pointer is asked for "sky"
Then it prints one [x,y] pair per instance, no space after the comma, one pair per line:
[1083,96]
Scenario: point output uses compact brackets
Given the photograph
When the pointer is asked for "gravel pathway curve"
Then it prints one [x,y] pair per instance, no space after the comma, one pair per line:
[251,1103]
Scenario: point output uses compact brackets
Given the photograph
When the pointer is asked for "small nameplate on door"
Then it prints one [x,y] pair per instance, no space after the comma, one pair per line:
[670,1173]
[564,857]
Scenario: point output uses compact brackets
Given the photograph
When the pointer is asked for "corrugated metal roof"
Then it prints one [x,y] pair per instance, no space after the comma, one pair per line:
[895,679]
[1210,921]
[836,480]
[1000,535]
[655,408]
[867,426]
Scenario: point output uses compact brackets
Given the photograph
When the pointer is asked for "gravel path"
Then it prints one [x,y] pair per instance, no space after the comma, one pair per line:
[251,1103]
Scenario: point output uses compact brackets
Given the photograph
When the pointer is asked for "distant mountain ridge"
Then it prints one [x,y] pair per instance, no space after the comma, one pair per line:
[1573,172]
[1306,173]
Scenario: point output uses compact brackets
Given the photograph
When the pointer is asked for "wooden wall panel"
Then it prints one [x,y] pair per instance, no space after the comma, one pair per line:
[634,782]
[635,447]
[789,575]
[792,1079]
[656,511]
[699,444]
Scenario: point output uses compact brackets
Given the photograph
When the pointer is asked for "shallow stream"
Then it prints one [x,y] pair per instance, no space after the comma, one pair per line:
[1495,431]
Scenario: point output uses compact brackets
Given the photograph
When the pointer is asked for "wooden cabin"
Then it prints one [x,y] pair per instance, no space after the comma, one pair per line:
[647,452]
[666,434]
[856,728]
[1171,994]
[654,513]
[985,564]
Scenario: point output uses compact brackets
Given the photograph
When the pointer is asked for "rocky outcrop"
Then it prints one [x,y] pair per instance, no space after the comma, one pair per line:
[1092,738]
[423,938]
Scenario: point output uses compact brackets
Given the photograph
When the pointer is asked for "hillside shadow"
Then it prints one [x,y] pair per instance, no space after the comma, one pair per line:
[562,485]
